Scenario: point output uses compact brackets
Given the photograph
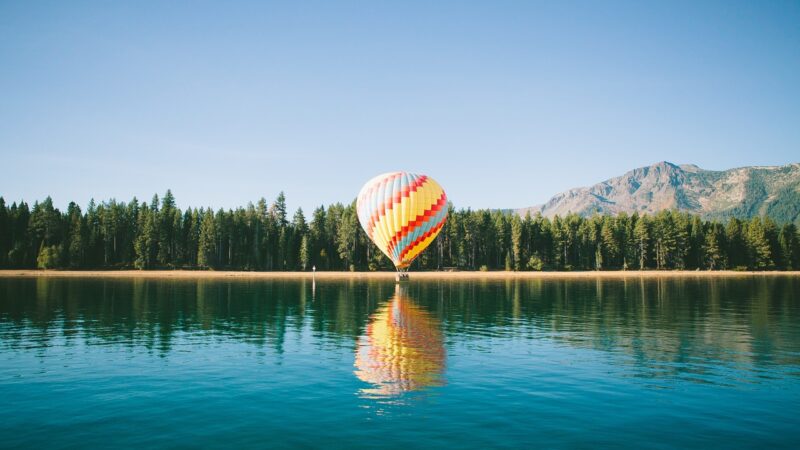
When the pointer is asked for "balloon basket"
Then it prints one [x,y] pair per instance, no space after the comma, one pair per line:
[401,277]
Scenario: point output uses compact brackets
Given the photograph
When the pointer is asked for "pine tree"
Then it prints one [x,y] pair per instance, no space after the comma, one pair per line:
[455,240]
[542,240]
[45,225]
[641,234]
[610,245]
[696,255]
[667,239]
[177,248]
[790,247]
[207,246]
[629,247]
[571,225]
[319,239]
[166,227]
[736,244]
[146,243]
[500,227]
[192,236]
[678,256]
[305,252]
[278,210]
[260,241]
[590,243]
[77,229]
[346,236]
[109,227]
[713,255]
[222,232]
[143,241]
[772,235]
[760,252]
[21,253]
[299,230]
[131,231]
[516,241]
[471,241]
[560,241]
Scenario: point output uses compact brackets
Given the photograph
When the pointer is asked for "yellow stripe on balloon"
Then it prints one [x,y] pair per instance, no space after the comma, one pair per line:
[417,249]
[398,216]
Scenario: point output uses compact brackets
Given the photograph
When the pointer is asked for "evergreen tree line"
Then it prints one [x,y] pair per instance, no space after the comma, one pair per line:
[158,235]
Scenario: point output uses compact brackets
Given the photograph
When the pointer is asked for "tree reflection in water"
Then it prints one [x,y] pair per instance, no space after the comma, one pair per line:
[658,328]
[402,349]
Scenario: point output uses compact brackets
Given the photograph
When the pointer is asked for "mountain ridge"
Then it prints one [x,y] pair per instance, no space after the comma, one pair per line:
[741,192]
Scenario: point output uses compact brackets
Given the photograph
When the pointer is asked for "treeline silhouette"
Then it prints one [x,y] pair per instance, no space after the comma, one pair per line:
[261,236]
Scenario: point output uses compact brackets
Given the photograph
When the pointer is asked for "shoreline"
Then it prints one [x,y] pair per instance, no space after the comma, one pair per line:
[498,275]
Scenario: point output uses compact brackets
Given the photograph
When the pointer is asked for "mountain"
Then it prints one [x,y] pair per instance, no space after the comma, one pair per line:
[742,192]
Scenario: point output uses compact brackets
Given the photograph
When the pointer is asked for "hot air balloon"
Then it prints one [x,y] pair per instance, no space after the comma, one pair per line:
[402,213]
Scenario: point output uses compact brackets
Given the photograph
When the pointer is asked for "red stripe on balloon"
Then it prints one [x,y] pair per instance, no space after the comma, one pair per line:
[397,198]
[419,220]
[417,241]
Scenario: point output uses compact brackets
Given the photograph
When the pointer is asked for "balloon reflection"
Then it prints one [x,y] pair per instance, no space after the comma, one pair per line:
[402,349]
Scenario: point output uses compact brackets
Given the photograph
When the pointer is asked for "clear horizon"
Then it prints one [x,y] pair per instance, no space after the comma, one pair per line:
[504,104]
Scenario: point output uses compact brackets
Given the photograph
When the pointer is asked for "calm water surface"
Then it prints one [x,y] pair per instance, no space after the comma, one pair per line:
[635,363]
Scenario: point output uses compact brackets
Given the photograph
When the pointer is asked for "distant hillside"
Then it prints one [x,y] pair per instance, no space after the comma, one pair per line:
[743,192]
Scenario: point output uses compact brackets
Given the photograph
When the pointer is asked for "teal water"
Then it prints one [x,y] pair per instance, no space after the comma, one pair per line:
[662,363]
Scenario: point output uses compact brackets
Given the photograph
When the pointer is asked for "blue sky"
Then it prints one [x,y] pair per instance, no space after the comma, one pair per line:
[504,103]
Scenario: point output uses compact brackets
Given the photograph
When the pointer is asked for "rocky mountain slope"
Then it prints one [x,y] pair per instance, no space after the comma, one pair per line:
[742,192]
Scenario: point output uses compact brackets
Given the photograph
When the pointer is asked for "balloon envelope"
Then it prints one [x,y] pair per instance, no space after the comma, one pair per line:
[402,213]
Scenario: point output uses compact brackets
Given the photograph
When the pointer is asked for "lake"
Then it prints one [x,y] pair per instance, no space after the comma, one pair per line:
[638,363]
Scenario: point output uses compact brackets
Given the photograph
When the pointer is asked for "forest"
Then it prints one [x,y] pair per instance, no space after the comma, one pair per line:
[263,237]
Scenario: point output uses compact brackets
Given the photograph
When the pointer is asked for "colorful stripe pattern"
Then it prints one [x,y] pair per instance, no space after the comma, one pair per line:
[402,213]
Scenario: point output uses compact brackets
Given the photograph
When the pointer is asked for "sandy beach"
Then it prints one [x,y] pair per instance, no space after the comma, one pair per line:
[211,274]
